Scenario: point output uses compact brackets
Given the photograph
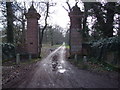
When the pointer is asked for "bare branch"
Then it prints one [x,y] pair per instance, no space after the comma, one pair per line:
[65,9]
[69,6]
[47,14]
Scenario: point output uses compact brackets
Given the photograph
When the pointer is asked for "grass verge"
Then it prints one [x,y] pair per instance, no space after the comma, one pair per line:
[31,61]
[94,65]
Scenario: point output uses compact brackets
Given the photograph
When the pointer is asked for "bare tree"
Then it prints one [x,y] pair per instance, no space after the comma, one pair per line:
[13,12]
[46,10]
[69,7]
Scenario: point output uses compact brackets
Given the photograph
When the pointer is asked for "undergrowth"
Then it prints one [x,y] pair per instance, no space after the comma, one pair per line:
[94,65]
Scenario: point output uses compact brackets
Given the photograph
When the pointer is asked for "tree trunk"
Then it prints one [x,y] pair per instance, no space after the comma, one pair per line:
[10,38]
[85,30]
[23,30]
[109,19]
[42,32]
[51,34]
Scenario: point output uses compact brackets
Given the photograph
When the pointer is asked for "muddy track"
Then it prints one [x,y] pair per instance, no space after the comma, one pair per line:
[55,72]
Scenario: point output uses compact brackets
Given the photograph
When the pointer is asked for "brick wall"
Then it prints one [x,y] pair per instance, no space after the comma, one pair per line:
[32,33]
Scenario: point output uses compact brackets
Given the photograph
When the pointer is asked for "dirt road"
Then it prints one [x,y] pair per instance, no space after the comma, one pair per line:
[55,72]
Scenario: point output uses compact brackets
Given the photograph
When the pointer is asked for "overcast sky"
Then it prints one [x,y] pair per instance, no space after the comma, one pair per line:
[60,15]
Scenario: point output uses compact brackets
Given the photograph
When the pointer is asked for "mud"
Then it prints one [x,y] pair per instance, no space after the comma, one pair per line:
[55,72]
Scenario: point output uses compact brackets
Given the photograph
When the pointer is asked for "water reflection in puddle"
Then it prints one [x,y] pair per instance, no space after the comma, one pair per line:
[61,70]
[59,67]
[62,61]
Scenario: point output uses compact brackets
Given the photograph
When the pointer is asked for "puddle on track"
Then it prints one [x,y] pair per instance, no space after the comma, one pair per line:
[62,70]
[60,67]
